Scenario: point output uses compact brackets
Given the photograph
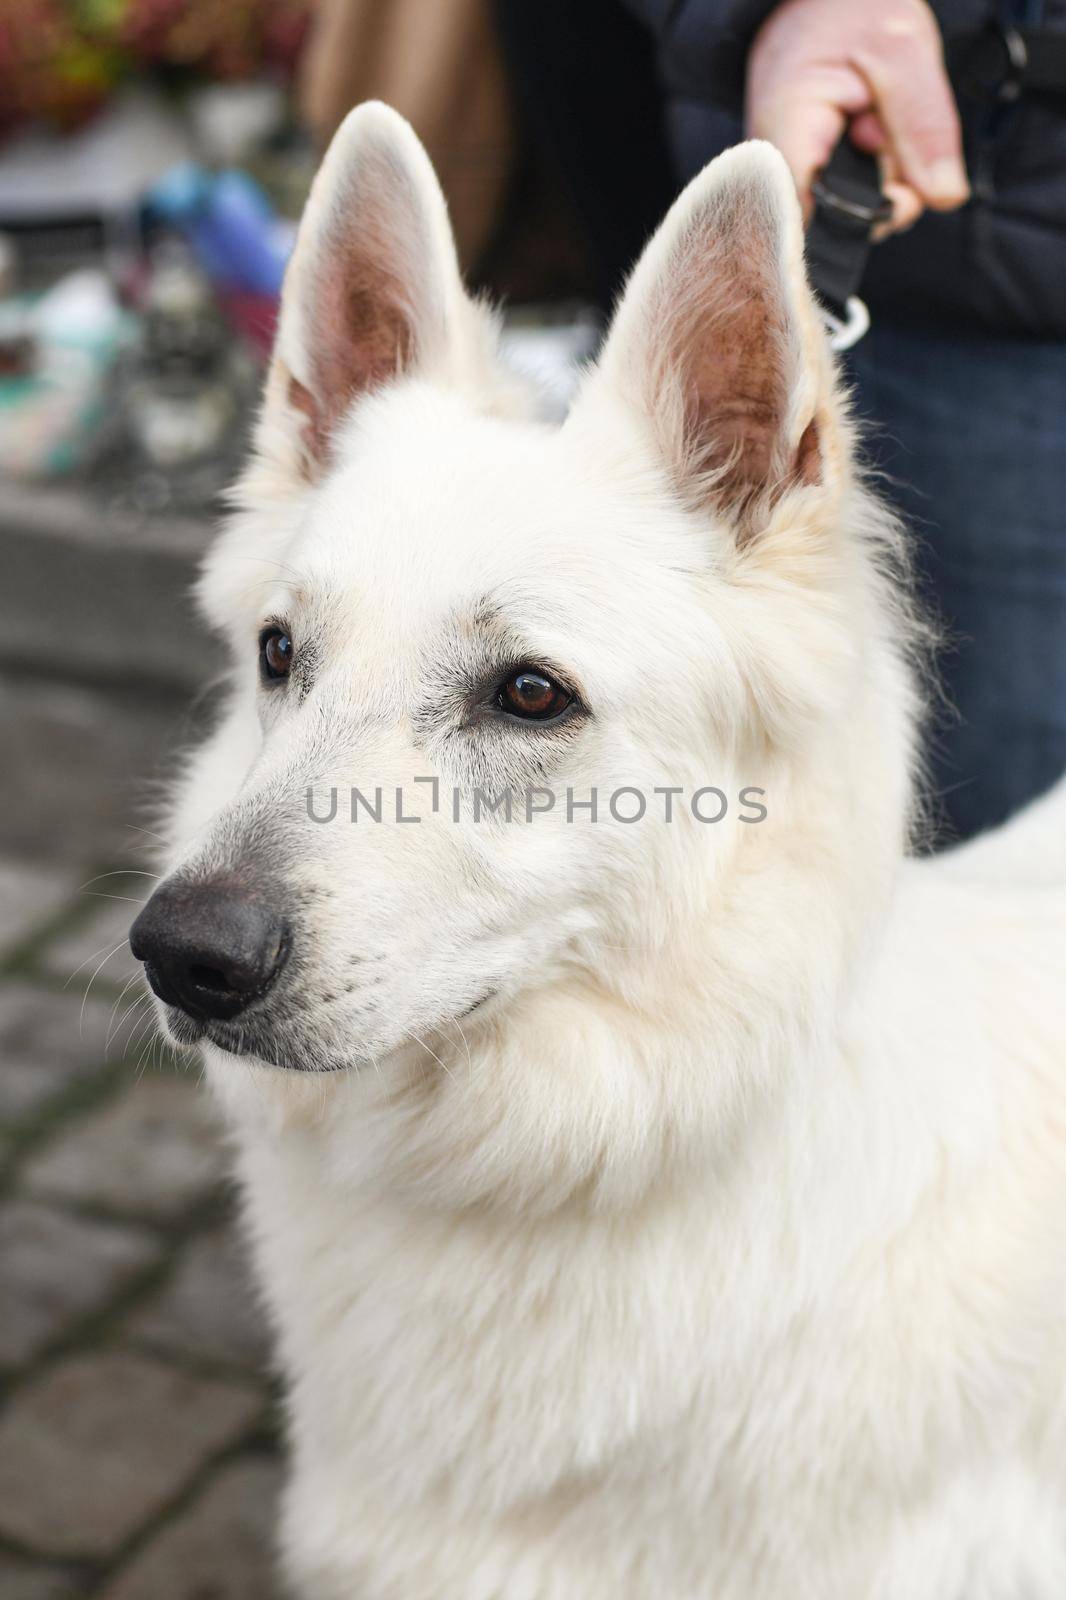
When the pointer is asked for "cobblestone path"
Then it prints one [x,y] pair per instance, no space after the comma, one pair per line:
[138,1450]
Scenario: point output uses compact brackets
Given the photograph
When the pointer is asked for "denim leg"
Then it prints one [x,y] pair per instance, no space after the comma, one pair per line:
[973,434]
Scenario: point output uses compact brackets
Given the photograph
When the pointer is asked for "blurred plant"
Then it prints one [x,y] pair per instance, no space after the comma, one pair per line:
[60,59]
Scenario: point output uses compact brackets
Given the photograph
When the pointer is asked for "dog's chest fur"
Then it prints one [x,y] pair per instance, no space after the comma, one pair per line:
[692,1397]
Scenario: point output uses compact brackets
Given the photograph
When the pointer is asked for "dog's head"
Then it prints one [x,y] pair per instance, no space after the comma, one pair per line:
[452,611]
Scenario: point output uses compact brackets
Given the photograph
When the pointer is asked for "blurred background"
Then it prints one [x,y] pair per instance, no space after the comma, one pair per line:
[154,156]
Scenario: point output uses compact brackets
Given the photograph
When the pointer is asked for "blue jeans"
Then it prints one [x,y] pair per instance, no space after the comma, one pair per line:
[972,431]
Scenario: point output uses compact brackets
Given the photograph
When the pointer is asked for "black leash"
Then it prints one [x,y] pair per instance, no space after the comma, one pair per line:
[848,205]
[997,65]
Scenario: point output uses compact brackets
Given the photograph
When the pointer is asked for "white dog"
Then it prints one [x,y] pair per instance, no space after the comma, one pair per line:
[648,1210]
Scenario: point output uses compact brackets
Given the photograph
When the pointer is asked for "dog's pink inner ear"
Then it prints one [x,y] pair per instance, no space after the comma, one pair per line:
[734,355]
[361,338]
[361,319]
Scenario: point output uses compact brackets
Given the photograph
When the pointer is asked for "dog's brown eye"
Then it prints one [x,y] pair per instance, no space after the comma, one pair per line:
[275,653]
[533,696]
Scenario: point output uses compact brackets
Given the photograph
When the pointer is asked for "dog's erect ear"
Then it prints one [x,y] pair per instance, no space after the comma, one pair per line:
[373,288]
[717,342]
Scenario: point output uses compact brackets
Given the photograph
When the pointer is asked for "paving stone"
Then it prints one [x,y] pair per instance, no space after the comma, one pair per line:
[74,956]
[56,1268]
[220,1548]
[101,1443]
[46,1041]
[152,1152]
[207,1309]
[79,760]
[95,587]
[30,895]
[32,1580]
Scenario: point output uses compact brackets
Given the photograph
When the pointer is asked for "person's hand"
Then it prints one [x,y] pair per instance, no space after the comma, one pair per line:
[875,67]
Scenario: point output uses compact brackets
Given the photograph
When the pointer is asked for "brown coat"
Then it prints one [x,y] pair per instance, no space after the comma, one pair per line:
[438,63]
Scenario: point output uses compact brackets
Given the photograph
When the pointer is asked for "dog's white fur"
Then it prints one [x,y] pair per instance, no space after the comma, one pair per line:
[721,1254]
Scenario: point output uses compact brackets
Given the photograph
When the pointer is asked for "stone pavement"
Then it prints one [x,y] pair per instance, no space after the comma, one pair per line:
[138,1437]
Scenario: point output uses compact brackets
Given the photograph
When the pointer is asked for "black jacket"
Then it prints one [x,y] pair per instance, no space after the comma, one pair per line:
[997,265]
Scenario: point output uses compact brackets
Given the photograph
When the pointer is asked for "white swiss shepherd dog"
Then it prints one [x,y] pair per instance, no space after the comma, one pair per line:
[646,1212]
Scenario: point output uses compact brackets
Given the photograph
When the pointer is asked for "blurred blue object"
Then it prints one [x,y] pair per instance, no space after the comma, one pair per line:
[234,231]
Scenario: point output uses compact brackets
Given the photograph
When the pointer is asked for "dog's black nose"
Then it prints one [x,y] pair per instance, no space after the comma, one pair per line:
[211,947]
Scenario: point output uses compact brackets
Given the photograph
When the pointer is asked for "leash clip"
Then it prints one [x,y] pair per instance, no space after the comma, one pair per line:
[847,331]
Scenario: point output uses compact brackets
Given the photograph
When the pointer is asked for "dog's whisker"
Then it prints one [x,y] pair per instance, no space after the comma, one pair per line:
[140,1008]
[412,1035]
[273,561]
[144,1061]
[143,1027]
[92,980]
[121,872]
[83,964]
[138,1015]
[111,1020]
[456,1023]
